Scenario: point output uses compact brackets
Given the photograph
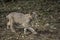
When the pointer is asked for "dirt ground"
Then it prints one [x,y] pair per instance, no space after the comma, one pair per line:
[47,24]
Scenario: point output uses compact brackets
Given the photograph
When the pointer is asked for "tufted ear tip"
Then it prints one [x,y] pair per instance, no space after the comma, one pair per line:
[34,11]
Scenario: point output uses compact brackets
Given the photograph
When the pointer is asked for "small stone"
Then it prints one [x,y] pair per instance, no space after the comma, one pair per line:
[17,38]
[22,36]
[47,24]
[19,7]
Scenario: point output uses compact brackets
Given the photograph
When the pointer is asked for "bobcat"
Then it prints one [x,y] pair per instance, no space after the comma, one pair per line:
[20,18]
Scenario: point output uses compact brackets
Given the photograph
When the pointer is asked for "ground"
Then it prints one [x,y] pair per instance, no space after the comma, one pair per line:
[47,23]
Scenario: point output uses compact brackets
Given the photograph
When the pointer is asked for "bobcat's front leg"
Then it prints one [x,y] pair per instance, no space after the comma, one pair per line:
[11,26]
[32,30]
[8,25]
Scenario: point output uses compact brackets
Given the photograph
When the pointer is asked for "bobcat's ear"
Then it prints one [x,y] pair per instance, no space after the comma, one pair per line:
[34,15]
[28,15]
